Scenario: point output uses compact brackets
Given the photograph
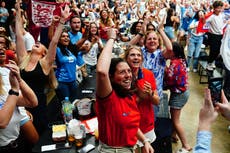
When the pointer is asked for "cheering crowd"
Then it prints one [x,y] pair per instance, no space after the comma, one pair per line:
[47,44]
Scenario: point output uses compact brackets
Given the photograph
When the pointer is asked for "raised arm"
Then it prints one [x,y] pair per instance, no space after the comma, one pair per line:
[207,116]
[20,45]
[138,36]
[167,53]
[50,56]
[103,86]
[27,97]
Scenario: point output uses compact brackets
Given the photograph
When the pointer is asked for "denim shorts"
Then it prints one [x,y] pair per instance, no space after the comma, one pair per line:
[169,32]
[178,100]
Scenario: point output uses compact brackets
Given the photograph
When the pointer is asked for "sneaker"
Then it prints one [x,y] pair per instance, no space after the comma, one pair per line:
[188,69]
[210,67]
[194,70]
[213,65]
[182,150]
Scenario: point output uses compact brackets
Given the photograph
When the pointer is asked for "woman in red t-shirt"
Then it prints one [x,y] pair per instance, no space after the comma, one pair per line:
[147,92]
[117,112]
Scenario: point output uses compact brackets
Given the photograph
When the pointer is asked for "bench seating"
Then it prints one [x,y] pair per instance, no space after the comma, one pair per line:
[205,74]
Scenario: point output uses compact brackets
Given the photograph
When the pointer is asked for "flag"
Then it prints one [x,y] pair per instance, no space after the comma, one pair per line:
[42,12]
[202,26]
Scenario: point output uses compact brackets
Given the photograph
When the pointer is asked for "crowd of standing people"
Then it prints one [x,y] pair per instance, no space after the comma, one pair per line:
[86,35]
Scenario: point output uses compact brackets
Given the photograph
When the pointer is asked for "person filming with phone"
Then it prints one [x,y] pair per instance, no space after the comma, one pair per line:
[207,116]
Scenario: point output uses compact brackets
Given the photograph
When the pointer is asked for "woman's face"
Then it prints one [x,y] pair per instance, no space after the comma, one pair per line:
[138,27]
[218,9]
[111,15]
[150,28]
[134,58]
[123,75]
[93,29]
[152,41]
[3,43]
[39,48]
[64,39]
[104,14]
[201,14]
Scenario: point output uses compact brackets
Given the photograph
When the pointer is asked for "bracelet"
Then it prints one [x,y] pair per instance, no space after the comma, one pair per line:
[146,140]
[141,34]
[12,92]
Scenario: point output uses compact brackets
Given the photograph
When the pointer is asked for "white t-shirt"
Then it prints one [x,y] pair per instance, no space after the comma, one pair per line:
[90,58]
[216,23]
[11,132]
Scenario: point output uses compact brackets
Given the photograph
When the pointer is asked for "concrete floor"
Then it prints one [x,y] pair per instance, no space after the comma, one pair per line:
[189,119]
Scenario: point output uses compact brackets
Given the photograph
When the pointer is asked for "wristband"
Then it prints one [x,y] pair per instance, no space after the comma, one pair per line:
[146,140]
[12,92]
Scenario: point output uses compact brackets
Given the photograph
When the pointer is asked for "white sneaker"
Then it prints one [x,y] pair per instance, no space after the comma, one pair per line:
[194,70]
[213,65]
[209,67]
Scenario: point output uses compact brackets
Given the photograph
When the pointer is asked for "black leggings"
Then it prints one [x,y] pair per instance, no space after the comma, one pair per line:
[214,42]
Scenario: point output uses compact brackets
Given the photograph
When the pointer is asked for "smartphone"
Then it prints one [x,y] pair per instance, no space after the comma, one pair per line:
[215,85]
[86,148]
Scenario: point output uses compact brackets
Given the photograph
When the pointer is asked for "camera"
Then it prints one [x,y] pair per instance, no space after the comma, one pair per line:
[215,85]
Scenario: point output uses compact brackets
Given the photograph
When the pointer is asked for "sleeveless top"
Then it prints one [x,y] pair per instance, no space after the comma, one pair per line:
[36,79]
[169,22]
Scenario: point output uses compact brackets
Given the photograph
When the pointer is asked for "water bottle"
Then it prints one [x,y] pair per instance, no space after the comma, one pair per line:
[67,110]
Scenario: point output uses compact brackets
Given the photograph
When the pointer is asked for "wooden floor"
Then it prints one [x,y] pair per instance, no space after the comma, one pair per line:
[189,119]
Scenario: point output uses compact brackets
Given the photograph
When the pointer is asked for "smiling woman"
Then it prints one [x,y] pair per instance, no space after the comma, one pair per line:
[5,51]
[66,63]
[146,92]
[116,108]
[36,66]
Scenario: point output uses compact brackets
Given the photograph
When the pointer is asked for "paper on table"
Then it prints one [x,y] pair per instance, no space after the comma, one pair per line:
[91,124]
[48,147]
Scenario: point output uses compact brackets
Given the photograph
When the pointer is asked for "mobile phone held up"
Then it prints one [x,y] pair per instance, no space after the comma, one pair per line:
[215,85]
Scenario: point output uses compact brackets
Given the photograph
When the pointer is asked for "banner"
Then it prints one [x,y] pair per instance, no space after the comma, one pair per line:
[42,12]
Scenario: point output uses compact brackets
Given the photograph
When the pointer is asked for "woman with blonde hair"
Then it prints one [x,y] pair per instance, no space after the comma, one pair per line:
[146,92]
[37,65]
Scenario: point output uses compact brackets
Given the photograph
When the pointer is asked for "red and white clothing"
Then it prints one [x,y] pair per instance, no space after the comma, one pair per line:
[145,107]
[118,120]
